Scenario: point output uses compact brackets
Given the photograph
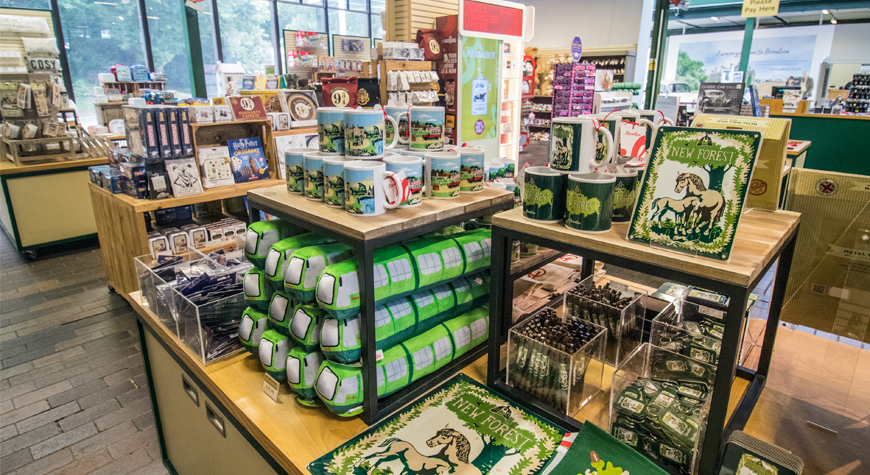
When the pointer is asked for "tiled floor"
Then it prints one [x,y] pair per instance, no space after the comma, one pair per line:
[73,393]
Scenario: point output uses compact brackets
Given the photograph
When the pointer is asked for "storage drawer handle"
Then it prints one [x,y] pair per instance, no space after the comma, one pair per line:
[216,419]
[190,389]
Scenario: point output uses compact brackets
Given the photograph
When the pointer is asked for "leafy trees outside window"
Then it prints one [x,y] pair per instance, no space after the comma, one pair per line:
[690,71]
[246,32]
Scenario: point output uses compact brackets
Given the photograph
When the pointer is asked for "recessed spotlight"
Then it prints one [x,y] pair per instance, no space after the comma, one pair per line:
[825,11]
[714,18]
[833,21]
[122,18]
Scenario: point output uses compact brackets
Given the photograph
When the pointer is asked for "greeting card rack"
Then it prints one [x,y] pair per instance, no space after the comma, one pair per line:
[366,235]
[762,238]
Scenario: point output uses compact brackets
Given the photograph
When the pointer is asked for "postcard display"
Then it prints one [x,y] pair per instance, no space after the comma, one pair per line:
[32,85]
[828,286]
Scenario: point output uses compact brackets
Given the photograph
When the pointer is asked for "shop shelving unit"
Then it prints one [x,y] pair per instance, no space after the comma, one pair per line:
[379,69]
[541,99]
[762,238]
[366,235]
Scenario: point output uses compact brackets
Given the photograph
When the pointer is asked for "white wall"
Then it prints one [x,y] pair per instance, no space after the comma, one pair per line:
[851,44]
[597,23]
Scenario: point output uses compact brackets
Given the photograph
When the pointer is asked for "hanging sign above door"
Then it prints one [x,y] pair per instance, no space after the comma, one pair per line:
[757,8]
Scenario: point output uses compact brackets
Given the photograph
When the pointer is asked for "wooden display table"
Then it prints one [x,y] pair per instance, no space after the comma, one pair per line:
[367,234]
[47,203]
[762,238]
[121,226]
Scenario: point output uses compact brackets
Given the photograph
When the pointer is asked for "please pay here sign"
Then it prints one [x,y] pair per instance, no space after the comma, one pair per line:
[756,8]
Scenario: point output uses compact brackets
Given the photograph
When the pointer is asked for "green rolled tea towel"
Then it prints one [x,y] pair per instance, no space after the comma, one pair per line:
[592,451]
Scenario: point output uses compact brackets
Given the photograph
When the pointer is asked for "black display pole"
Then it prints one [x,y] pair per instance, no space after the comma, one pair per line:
[194,48]
[143,23]
[660,23]
[64,62]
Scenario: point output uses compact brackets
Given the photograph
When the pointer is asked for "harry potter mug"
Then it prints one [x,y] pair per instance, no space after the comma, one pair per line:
[544,194]
[293,165]
[364,134]
[369,189]
[442,175]
[330,129]
[426,127]
[589,202]
[574,144]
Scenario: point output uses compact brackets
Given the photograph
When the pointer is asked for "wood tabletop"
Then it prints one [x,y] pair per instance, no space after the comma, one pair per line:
[799,147]
[759,235]
[391,222]
[209,194]
[9,168]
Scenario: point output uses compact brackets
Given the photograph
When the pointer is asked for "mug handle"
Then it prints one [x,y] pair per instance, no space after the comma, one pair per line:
[655,130]
[398,120]
[608,148]
[395,135]
[402,188]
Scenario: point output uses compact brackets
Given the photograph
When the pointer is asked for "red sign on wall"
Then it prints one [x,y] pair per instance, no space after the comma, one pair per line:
[491,19]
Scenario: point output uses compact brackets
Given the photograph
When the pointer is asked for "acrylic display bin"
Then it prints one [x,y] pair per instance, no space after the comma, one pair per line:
[646,362]
[624,326]
[160,302]
[570,385]
[666,334]
[195,321]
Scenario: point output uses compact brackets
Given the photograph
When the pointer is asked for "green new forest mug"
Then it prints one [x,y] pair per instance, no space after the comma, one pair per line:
[624,194]
[589,204]
[544,195]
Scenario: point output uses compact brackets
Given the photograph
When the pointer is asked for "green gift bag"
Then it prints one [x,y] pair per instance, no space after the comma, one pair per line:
[597,451]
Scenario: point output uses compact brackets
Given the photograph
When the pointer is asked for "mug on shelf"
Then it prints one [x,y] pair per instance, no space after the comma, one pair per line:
[589,203]
[493,170]
[544,194]
[575,146]
[312,165]
[510,167]
[471,169]
[442,175]
[617,123]
[412,167]
[656,119]
[293,163]
[330,129]
[624,194]
[369,189]
[395,112]
[510,184]
[333,181]
[364,134]
[426,127]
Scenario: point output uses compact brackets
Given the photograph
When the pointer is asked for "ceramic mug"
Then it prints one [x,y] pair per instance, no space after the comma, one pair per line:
[510,184]
[616,123]
[412,167]
[471,169]
[493,170]
[293,163]
[544,194]
[364,134]
[657,119]
[395,112]
[333,181]
[370,190]
[589,202]
[426,126]
[442,175]
[330,129]
[510,167]
[624,194]
[312,165]
[574,144]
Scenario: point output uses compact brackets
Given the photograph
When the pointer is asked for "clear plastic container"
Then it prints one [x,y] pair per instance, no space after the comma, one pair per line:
[624,326]
[197,324]
[658,424]
[698,337]
[556,378]
[156,296]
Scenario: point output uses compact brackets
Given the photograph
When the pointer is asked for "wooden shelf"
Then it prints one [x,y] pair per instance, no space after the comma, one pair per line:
[209,194]
[295,131]
[801,145]
[759,236]
[528,264]
[194,125]
[9,168]
[392,222]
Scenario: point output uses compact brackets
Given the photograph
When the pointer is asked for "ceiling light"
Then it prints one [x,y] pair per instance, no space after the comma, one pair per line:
[122,18]
[833,21]
[104,3]
[714,18]
[825,11]
[153,18]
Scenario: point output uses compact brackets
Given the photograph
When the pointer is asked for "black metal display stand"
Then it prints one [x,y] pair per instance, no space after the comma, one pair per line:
[762,238]
[365,235]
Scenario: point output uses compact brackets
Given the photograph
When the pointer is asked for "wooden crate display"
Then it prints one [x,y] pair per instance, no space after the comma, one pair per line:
[217,134]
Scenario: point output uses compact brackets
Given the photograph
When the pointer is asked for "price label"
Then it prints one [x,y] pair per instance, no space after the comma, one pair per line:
[379,355]
[711,312]
[271,387]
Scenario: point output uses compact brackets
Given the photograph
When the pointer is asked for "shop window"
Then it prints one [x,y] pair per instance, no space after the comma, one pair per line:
[423,358]
[378,5]
[452,257]
[400,270]
[29,4]
[462,337]
[400,309]
[246,33]
[337,4]
[382,317]
[168,47]
[298,17]
[442,348]
[478,328]
[377,31]
[396,369]
[381,277]
[96,36]
[356,5]
[348,23]
[423,299]
[429,263]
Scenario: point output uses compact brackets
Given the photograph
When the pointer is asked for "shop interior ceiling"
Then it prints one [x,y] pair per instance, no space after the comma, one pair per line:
[705,17]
